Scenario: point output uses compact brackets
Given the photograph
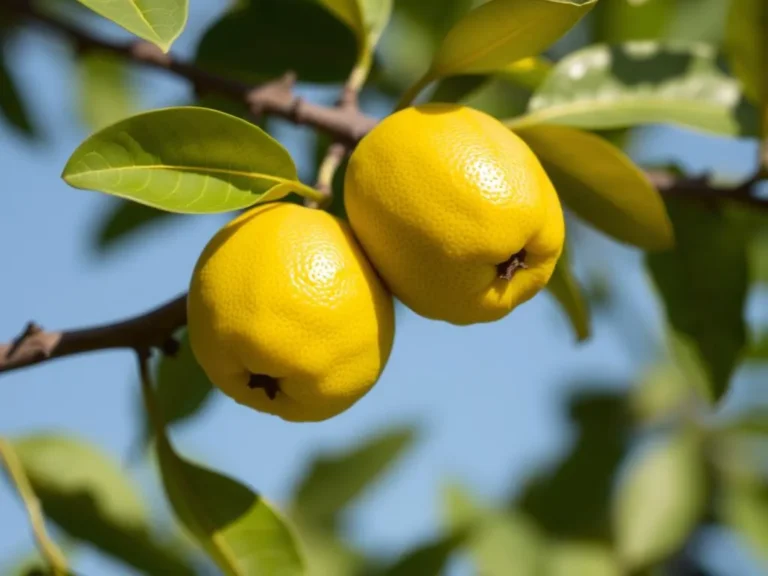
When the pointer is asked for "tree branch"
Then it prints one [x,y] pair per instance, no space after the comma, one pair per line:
[344,122]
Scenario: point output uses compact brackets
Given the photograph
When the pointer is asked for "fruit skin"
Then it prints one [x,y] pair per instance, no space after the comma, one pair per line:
[439,195]
[287,292]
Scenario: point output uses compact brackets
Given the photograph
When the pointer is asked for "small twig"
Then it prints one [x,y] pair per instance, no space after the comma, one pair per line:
[52,554]
[150,330]
[701,188]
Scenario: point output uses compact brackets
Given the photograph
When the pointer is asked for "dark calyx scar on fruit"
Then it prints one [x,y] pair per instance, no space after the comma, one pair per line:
[515,262]
[271,386]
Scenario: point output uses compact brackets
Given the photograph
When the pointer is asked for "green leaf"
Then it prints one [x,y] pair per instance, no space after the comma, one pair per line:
[91,499]
[580,559]
[704,283]
[758,349]
[182,386]
[269,37]
[320,497]
[157,21]
[752,422]
[565,288]
[124,220]
[428,559]
[106,94]
[327,553]
[498,33]
[349,12]
[747,47]
[601,185]
[744,508]
[186,159]
[571,501]
[501,543]
[238,528]
[528,72]
[625,20]
[663,393]
[12,106]
[661,500]
[639,83]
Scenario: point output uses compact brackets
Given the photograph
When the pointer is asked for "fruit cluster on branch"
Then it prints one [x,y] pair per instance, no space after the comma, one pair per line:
[345,123]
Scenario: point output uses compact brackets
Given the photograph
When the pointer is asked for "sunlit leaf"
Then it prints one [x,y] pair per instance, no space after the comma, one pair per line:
[320,497]
[601,184]
[703,283]
[565,288]
[92,500]
[12,106]
[747,47]
[637,83]
[158,21]
[501,543]
[105,89]
[237,527]
[186,159]
[269,37]
[528,72]
[661,499]
[662,393]
[499,33]
[328,553]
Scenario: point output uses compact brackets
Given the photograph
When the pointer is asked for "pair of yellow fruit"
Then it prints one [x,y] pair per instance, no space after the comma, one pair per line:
[455,213]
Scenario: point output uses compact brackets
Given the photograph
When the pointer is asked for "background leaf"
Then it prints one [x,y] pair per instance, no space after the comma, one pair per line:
[603,87]
[157,21]
[240,530]
[580,559]
[320,497]
[661,499]
[601,184]
[123,220]
[106,94]
[501,32]
[501,543]
[703,283]
[616,22]
[12,106]
[186,159]
[747,47]
[269,37]
[429,559]
[91,499]
[565,288]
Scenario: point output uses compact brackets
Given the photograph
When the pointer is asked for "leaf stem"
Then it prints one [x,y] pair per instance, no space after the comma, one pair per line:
[410,95]
[52,554]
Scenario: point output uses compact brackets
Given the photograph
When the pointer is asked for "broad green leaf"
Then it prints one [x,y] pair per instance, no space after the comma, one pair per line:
[571,500]
[580,559]
[349,12]
[499,33]
[661,499]
[106,94]
[237,527]
[269,37]
[638,83]
[747,47]
[428,559]
[90,498]
[320,497]
[565,288]
[157,21]
[703,283]
[327,553]
[124,220]
[186,159]
[624,20]
[182,386]
[12,106]
[501,543]
[601,185]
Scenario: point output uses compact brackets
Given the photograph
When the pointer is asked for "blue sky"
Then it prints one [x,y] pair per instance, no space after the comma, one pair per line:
[487,398]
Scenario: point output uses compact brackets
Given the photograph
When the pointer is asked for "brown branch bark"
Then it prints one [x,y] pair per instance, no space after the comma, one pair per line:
[344,122]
